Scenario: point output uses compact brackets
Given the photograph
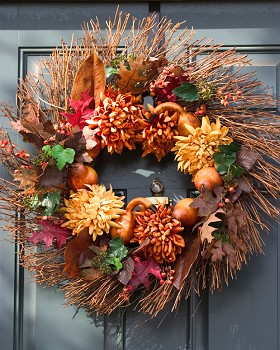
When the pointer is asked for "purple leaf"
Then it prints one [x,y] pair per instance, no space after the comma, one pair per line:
[125,274]
[142,270]
[246,158]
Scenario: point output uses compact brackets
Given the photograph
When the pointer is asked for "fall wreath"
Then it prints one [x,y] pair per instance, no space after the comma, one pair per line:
[89,97]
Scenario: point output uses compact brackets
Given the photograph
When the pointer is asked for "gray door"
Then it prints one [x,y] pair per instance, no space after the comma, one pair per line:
[245,316]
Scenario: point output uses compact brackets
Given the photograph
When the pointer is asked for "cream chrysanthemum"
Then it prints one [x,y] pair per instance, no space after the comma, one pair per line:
[94,208]
[195,151]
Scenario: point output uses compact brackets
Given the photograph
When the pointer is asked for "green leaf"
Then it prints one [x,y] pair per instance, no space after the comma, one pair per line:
[47,149]
[231,148]
[50,201]
[229,160]
[35,201]
[63,156]
[236,170]
[117,248]
[222,169]
[111,71]
[187,92]
[224,159]
[112,260]
[219,157]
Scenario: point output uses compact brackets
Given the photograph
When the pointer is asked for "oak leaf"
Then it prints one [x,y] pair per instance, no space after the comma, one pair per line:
[27,178]
[48,233]
[217,251]
[231,254]
[135,77]
[207,203]
[31,128]
[142,271]
[207,230]
[236,217]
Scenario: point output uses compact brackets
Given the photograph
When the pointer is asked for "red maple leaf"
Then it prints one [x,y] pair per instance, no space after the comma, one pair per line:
[142,270]
[83,111]
[48,233]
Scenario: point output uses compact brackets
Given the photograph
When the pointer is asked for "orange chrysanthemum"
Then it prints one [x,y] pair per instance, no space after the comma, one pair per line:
[94,208]
[158,134]
[162,230]
[116,121]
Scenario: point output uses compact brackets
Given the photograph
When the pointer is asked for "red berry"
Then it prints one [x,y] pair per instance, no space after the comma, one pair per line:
[169,282]
[161,281]
[221,205]
[163,274]
[226,103]
[136,259]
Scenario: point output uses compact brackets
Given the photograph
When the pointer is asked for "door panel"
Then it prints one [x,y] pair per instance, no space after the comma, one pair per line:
[245,315]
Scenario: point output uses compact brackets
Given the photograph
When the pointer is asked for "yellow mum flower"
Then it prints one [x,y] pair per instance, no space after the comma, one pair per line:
[94,208]
[195,151]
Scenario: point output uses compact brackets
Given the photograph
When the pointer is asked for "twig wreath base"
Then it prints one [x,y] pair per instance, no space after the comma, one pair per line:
[88,98]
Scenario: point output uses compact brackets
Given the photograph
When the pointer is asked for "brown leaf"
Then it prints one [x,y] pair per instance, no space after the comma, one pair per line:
[186,259]
[244,184]
[73,251]
[90,76]
[238,242]
[217,251]
[90,274]
[52,177]
[28,114]
[231,254]
[27,178]
[77,142]
[207,203]
[99,78]
[84,79]
[236,217]
[37,129]
[125,274]
[207,230]
[19,127]
[246,158]
[30,127]
[134,78]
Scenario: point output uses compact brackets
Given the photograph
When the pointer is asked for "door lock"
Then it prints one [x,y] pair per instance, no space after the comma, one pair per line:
[157,190]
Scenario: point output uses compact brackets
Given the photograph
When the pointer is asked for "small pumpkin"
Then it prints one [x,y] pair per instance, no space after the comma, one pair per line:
[126,221]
